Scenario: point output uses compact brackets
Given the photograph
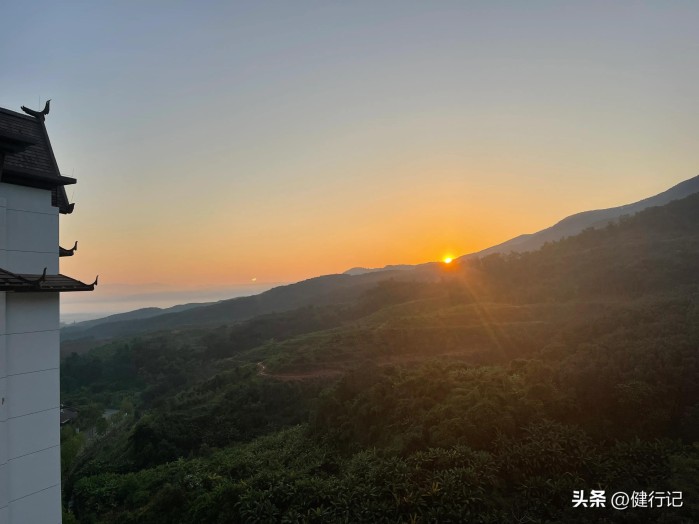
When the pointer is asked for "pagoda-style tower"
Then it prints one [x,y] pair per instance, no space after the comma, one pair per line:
[32,196]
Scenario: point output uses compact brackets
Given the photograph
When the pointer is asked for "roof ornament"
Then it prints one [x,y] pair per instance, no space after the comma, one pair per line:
[32,281]
[38,114]
[63,252]
[96,279]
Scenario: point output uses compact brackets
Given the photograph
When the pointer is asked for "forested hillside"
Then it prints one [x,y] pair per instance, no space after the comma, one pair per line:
[324,290]
[488,392]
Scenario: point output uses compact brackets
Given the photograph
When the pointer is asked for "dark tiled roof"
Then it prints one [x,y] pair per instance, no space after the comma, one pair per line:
[40,283]
[35,158]
[36,161]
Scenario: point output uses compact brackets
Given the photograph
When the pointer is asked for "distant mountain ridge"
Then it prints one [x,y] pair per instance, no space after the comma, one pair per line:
[569,226]
[333,289]
[364,270]
[574,224]
[318,291]
[136,314]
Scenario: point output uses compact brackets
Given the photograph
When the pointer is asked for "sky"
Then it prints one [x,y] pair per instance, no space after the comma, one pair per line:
[228,146]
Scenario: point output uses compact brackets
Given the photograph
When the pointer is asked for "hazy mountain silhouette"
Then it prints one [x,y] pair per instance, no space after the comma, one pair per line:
[137,314]
[571,225]
[363,270]
[574,224]
[335,289]
[318,291]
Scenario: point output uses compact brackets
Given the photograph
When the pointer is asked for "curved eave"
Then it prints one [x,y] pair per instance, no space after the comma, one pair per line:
[63,252]
[59,199]
[31,178]
[26,283]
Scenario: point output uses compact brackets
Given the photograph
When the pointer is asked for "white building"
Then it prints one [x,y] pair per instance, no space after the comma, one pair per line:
[31,198]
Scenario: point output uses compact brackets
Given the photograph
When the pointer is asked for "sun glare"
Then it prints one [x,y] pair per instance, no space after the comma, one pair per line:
[447,260]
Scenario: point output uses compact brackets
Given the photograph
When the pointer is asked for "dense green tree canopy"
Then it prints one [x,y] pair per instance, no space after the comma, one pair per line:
[488,392]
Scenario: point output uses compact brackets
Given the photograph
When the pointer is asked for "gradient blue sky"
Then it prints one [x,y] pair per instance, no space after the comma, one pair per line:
[217,142]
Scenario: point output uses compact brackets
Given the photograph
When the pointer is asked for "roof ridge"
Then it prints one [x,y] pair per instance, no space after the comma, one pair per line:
[15,113]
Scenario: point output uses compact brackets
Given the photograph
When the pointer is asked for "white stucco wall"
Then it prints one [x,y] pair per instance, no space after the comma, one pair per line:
[30,483]
[4,479]
[29,241]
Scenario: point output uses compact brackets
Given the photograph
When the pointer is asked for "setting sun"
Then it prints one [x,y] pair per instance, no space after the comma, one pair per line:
[447,260]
